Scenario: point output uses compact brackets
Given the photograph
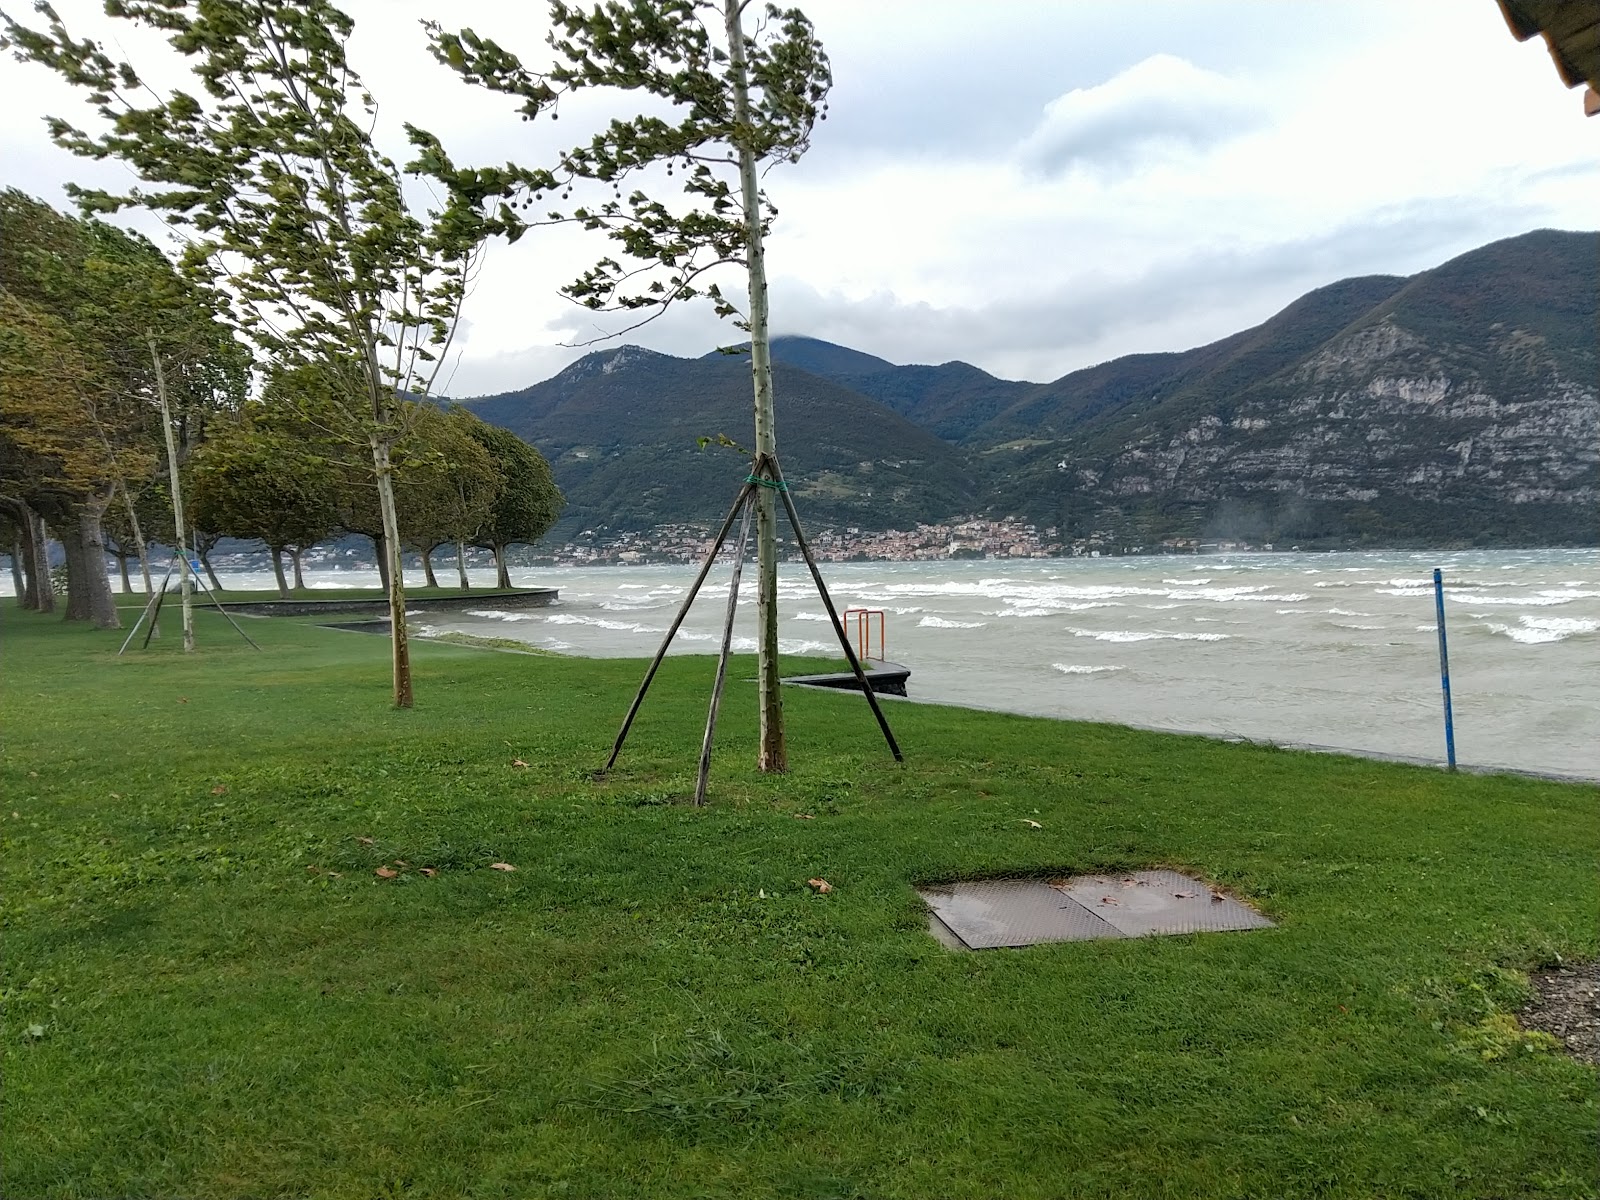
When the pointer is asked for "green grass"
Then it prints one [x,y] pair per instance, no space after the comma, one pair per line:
[208,993]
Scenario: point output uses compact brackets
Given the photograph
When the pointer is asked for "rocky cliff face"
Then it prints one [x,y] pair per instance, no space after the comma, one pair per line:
[1452,411]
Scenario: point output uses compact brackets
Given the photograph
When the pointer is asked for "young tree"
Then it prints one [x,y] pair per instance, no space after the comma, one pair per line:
[272,171]
[737,100]
[527,501]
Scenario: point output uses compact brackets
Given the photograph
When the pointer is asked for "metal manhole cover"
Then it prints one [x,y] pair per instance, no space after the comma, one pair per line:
[986,913]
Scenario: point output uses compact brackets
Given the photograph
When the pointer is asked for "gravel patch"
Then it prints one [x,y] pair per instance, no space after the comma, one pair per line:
[1566,1003]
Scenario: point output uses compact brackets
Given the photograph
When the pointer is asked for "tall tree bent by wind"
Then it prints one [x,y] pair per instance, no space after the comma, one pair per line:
[738,100]
[271,174]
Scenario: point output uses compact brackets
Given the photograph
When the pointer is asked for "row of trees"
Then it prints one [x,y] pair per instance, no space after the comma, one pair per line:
[458,482]
[271,172]
[99,330]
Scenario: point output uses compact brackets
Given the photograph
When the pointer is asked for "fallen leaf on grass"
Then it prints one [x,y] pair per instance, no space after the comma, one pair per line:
[219,790]
[365,841]
[802,816]
[400,862]
[821,885]
[33,1032]
[501,867]
[183,699]
[1030,823]
[517,762]
[386,873]
[335,874]
[429,872]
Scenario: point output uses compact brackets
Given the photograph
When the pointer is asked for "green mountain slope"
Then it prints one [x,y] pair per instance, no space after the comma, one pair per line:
[1455,407]
[620,429]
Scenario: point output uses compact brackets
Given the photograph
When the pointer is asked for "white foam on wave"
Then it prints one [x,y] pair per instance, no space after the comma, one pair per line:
[1538,630]
[1345,612]
[1568,592]
[496,614]
[809,617]
[941,623]
[602,623]
[1078,669]
[1356,625]
[1145,635]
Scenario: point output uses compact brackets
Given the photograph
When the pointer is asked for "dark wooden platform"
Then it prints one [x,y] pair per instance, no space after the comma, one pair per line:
[522,598]
[885,678]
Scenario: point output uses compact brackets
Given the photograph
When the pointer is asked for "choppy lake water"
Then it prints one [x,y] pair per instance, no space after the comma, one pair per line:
[1334,650]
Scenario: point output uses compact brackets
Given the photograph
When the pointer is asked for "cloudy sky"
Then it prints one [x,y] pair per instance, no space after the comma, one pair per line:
[1031,187]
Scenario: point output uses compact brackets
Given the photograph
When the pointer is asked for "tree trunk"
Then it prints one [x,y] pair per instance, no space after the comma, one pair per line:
[399,643]
[211,575]
[502,577]
[383,562]
[427,567]
[180,533]
[772,754]
[461,566]
[100,604]
[299,576]
[277,571]
[138,539]
[19,585]
[77,569]
[39,546]
[122,567]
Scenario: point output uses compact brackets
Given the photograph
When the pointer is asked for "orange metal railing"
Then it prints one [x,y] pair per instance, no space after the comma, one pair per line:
[862,631]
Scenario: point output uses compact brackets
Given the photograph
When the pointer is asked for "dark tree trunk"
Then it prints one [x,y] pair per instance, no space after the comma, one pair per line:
[18,584]
[427,567]
[102,605]
[461,566]
[382,552]
[77,569]
[299,576]
[205,561]
[44,592]
[122,566]
[277,570]
[502,577]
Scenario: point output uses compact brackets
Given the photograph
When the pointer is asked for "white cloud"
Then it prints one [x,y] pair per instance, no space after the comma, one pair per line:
[1162,105]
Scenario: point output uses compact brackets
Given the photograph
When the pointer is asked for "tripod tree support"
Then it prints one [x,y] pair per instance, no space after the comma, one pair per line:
[765,474]
[683,611]
[722,658]
[782,488]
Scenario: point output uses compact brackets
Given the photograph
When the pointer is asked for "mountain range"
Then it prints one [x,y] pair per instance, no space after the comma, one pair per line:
[1457,406]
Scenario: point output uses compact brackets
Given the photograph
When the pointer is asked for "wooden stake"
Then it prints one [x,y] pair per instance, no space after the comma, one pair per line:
[722,658]
[683,611]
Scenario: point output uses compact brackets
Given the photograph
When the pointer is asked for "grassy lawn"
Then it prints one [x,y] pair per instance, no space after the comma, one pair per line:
[209,992]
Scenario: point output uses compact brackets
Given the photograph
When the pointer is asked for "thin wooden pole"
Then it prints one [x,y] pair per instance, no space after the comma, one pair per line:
[683,611]
[149,605]
[216,604]
[1444,670]
[722,658]
[770,467]
[155,613]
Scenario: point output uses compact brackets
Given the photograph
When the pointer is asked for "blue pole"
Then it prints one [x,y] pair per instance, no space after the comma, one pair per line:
[1444,670]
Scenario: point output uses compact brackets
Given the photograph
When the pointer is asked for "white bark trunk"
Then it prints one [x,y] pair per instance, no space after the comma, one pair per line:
[178,528]
[398,641]
[772,754]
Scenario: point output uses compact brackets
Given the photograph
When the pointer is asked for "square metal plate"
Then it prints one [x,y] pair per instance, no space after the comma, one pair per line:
[1154,902]
[1013,912]
[988,913]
